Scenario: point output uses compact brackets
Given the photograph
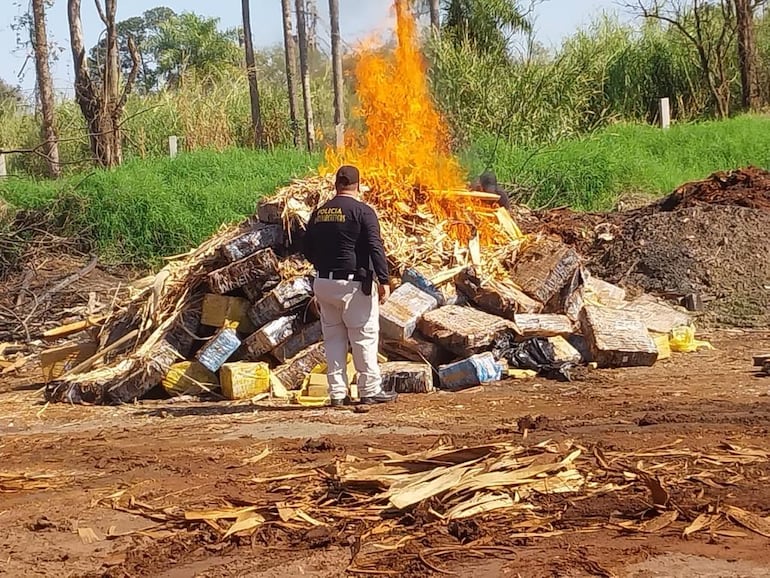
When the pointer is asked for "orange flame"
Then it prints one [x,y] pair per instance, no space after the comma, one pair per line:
[404,155]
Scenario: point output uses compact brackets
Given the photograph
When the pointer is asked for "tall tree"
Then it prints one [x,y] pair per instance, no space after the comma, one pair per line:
[291,68]
[747,52]
[435,16]
[144,30]
[305,73]
[101,104]
[339,87]
[709,26]
[311,25]
[45,89]
[256,114]
[485,25]
[193,44]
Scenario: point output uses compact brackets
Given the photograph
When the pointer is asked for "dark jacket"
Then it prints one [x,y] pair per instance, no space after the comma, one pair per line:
[488,184]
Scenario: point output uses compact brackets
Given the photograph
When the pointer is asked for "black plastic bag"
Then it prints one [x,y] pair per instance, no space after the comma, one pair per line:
[535,354]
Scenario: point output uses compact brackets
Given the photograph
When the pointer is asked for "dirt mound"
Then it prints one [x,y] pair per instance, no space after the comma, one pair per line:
[748,187]
[710,237]
[717,251]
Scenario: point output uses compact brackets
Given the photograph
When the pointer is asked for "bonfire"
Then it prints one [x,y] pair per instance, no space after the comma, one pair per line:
[453,239]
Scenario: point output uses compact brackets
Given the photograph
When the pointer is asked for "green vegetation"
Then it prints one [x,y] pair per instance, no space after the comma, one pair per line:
[593,172]
[606,74]
[564,127]
[147,209]
[603,75]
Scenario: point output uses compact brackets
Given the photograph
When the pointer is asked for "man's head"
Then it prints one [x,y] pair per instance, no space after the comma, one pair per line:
[347,179]
[488,182]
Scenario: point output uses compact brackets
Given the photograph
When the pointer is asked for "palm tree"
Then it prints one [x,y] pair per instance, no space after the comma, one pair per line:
[485,25]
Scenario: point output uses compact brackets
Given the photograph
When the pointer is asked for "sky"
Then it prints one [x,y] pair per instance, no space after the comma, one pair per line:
[554,20]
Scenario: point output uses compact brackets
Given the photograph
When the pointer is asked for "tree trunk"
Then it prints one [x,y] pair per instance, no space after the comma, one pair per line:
[311,25]
[102,106]
[305,73]
[110,88]
[747,54]
[85,94]
[339,86]
[45,90]
[251,65]
[291,69]
[435,16]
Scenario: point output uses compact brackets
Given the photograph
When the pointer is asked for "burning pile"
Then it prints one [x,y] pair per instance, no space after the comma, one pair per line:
[475,295]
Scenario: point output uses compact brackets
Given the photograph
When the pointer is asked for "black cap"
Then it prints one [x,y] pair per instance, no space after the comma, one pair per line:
[347,176]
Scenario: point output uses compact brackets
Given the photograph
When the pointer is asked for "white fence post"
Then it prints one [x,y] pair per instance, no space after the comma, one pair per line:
[172,146]
[3,170]
[664,113]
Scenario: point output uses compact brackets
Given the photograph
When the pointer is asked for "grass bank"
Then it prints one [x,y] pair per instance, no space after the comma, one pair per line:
[150,208]
[591,173]
[144,210]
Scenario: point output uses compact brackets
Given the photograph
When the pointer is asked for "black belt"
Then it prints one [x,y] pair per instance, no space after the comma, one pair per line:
[338,275]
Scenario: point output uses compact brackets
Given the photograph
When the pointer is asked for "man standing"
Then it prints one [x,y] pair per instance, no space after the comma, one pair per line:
[343,243]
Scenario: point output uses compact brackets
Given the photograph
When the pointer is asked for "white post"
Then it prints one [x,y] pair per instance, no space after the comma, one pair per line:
[172,146]
[3,171]
[339,129]
[664,113]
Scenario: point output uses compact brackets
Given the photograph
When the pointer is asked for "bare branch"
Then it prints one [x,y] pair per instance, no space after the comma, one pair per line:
[710,26]
[100,10]
[36,148]
[135,61]
[655,12]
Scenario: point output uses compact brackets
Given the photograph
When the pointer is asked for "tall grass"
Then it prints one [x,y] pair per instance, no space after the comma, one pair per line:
[607,73]
[205,115]
[601,75]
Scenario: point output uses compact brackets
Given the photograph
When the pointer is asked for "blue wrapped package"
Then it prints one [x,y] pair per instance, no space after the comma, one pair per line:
[414,277]
[218,349]
[475,370]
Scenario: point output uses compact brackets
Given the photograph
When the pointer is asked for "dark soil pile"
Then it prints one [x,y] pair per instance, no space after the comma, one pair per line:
[710,237]
[749,187]
[720,252]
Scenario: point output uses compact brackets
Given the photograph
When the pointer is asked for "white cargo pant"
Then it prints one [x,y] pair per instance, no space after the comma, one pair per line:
[348,317]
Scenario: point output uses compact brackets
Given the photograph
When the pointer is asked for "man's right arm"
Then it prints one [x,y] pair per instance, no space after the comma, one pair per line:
[307,242]
[505,199]
[371,226]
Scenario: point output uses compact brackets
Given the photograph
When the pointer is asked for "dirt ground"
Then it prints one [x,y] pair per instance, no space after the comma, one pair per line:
[191,454]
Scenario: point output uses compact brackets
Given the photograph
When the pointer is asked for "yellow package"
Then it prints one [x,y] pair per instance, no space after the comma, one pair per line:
[683,340]
[189,378]
[663,345]
[242,380]
[320,369]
